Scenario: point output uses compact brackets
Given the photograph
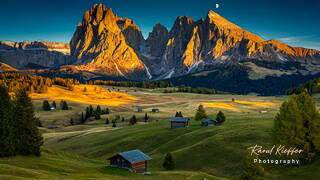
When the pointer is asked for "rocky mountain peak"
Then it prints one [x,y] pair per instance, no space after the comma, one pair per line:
[157,40]
[106,44]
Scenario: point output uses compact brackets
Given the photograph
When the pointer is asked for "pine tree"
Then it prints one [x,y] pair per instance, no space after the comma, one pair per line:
[107,121]
[97,116]
[251,170]
[71,121]
[201,113]
[90,110]
[133,120]
[180,114]
[107,111]
[146,117]
[220,117]
[54,105]
[82,118]
[98,110]
[87,116]
[169,162]
[123,119]
[8,131]
[177,114]
[29,139]
[298,125]
[114,124]
[65,105]
[46,105]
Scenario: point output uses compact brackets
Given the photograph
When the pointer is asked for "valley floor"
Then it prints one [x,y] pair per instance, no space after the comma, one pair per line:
[80,151]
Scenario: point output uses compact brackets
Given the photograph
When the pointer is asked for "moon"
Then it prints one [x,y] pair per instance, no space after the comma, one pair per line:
[217,6]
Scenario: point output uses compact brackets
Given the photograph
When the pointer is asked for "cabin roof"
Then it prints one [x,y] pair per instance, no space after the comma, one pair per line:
[208,119]
[179,119]
[134,156]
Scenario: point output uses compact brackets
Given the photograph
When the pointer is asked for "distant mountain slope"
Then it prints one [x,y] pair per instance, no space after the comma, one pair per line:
[47,54]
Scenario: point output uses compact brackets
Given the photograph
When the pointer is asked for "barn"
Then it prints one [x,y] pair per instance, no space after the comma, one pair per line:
[134,160]
[208,122]
[179,122]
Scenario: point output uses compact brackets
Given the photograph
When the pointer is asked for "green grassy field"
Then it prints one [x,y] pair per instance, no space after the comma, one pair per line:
[80,151]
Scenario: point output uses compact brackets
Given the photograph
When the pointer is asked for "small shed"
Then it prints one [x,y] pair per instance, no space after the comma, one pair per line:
[134,160]
[139,109]
[155,110]
[208,122]
[179,122]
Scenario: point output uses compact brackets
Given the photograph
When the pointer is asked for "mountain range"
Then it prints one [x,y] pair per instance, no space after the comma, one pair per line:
[105,45]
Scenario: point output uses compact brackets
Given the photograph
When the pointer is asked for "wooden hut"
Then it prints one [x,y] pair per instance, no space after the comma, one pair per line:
[208,122]
[134,160]
[155,110]
[179,122]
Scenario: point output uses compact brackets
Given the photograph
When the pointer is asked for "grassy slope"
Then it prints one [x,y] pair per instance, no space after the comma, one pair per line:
[215,150]
[62,165]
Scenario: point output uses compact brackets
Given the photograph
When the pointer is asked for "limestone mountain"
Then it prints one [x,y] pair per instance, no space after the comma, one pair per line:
[44,54]
[114,46]
[105,43]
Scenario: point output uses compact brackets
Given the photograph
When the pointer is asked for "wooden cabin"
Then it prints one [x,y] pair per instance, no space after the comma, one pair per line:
[139,109]
[208,122]
[179,122]
[155,110]
[135,161]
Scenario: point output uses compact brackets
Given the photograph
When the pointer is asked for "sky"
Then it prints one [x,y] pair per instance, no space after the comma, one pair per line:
[295,22]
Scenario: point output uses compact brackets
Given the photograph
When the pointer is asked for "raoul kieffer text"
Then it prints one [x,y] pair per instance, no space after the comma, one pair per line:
[276,150]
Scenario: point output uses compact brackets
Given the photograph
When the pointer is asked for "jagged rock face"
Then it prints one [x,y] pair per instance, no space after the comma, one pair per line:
[131,33]
[179,38]
[194,44]
[111,45]
[47,54]
[157,40]
[100,40]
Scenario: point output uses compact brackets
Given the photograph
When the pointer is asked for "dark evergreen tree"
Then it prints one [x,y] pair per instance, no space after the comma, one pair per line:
[169,162]
[133,120]
[46,105]
[71,121]
[97,116]
[298,125]
[82,119]
[91,111]
[29,139]
[8,132]
[54,105]
[107,121]
[201,113]
[65,105]
[220,117]
[87,113]
[177,114]
[98,110]
[180,114]
[146,117]
[114,124]
[107,111]
[123,119]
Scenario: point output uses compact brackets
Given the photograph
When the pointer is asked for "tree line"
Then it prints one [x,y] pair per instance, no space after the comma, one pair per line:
[32,83]
[198,90]
[19,134]
[149,85]
[311,86]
